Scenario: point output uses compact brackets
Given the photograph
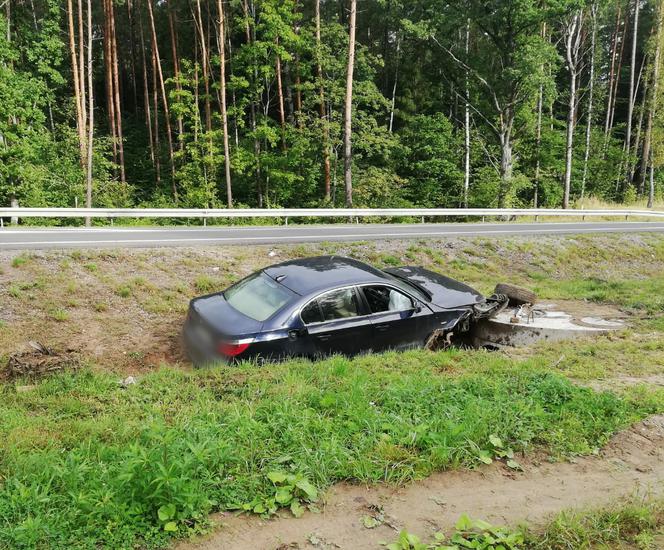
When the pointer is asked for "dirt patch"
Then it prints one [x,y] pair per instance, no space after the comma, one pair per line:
[633,462]
[621,382]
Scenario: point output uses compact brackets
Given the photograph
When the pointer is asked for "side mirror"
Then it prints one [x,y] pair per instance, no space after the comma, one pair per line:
[418,307]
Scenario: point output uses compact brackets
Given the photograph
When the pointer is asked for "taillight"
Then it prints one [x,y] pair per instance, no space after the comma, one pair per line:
[231,350]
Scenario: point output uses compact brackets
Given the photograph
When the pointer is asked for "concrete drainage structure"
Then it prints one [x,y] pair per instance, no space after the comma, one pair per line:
[528,324]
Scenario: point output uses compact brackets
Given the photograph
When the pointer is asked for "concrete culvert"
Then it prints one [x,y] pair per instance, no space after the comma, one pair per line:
[516,294]
[525,325]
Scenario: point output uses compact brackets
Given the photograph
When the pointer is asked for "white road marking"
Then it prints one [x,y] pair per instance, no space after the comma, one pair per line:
[358,236]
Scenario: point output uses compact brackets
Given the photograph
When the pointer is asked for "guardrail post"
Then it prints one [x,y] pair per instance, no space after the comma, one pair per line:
[286,220]
[483,219]
[357,219]
[536,219]
[111,222]
[422,219]
[204,222]
[2,223]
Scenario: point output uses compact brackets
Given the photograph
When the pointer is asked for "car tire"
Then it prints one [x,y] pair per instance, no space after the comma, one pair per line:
[516,294]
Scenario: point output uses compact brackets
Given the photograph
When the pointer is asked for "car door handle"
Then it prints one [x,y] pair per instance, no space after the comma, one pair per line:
[382,328]
[323,337]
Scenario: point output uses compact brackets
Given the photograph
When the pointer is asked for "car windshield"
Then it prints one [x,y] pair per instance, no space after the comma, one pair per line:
[258,296]
[407,286]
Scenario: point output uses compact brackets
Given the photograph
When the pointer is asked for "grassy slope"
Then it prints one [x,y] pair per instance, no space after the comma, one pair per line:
[85,461]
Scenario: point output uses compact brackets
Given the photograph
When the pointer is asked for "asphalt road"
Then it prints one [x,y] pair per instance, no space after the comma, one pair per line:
[23,238]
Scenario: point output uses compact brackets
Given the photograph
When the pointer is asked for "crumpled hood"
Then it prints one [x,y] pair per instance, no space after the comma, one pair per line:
[445,292]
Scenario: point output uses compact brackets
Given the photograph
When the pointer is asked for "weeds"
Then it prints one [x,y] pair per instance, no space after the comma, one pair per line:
[468,533]
[18,261]
[206,284]
[59,314]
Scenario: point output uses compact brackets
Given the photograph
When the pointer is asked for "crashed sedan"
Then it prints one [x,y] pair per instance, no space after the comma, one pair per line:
[323,305]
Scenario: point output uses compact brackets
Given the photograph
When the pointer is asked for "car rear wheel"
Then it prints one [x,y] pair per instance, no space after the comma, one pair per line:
[516,294]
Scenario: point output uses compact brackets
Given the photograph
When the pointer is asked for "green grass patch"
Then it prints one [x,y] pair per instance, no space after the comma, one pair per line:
[18,261]
[88,463]
[633,524]
[646,294]
[59,314]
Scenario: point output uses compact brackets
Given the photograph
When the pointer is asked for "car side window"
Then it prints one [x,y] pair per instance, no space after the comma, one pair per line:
[311,313]
[339,304]
[382,298]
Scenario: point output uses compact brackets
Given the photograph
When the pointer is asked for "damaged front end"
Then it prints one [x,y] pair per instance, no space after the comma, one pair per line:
[444,337]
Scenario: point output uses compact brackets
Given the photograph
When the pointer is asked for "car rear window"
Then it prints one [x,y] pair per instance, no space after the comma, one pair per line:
[258,296]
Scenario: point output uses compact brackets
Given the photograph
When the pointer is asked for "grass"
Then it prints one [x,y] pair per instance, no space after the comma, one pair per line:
[637,523]
[89,463]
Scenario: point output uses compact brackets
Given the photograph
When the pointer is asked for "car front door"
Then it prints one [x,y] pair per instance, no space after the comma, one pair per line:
[335,323]
[398,321]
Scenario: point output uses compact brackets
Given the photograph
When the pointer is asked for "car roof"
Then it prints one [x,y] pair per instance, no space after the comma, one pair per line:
[317,273]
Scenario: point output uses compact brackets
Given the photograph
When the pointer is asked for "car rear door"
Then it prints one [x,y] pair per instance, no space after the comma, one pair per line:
[398,321]
[336,324]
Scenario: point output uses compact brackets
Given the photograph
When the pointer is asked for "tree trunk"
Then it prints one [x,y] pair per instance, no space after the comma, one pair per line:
[172,27]
[108,81]
[572,47]
[591,89]
[80,121]
[394,87]
[280,96]
[632,98]
[116,91]
[155,107]
[160,74]
[88,186]
[612,66]
[348,112]
[132,53]
[224,116]
[205,64]
[466,124]
[81,70]
[652,109]
[505,137]
[616,83]
[538,134]
[321,107]
[146,99]
[252,111]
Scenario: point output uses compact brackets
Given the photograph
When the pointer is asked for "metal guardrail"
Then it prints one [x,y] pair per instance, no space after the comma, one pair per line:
[207,213]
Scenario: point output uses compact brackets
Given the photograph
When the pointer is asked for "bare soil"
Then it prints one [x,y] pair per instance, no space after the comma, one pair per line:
[632,463]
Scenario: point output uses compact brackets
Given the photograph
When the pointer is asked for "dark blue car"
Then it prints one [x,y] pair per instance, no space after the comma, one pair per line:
[329,304]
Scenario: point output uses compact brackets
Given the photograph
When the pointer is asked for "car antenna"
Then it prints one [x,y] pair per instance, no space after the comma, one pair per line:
[280,278]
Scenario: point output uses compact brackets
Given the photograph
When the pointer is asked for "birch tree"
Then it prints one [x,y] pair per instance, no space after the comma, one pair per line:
[348,110]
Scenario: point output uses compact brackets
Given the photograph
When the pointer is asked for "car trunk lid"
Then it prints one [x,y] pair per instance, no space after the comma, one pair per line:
[223,320]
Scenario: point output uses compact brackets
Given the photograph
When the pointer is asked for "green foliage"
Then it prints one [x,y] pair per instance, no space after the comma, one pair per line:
[412,80]
[102,465]
[468,534]
[290,490]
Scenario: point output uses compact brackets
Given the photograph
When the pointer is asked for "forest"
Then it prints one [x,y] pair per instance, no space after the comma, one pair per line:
[305,103]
